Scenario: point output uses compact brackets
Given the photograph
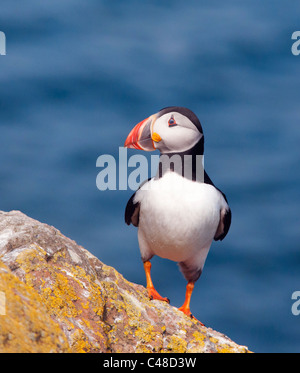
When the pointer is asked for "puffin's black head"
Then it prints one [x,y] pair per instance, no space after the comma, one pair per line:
[172,130]
[185,112]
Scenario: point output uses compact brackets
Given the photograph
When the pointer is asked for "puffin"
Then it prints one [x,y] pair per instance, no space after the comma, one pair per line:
[179,211]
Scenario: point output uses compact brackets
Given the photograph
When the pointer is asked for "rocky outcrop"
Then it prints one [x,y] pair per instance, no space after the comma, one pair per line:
[58,297]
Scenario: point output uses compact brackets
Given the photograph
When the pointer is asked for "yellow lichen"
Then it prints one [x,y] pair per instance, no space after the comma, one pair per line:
[26,326]
[177,344]
[197,343]
[57,255]
[60,300]
[145,333]
[80,342]
[85,305]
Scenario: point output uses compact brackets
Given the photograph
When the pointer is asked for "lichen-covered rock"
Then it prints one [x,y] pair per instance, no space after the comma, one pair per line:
[60,298]
[25,325]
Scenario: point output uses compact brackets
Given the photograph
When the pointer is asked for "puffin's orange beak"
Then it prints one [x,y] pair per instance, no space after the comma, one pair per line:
[140,137]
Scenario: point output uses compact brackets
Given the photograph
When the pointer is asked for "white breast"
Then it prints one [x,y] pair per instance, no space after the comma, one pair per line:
[178,217]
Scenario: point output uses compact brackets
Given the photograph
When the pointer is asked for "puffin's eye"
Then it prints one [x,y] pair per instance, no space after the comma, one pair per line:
[172,122]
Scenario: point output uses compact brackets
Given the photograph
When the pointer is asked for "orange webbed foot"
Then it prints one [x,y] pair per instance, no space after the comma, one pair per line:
[153,294]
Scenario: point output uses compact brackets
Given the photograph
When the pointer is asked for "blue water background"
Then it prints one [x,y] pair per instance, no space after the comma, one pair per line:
[79,74]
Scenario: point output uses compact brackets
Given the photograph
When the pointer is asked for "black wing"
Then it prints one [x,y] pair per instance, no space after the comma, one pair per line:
[225,214]
[224,225]
[132,210]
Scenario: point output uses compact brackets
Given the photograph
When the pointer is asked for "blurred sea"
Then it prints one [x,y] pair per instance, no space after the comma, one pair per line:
[79,75]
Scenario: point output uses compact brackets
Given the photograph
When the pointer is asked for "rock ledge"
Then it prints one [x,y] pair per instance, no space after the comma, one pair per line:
[55,296]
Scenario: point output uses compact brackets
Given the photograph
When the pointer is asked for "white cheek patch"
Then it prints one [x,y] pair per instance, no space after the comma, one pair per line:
[175,139]
[183,139]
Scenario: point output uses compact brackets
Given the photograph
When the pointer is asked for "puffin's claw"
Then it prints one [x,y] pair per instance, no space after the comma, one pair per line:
[153,294]
[188,313]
